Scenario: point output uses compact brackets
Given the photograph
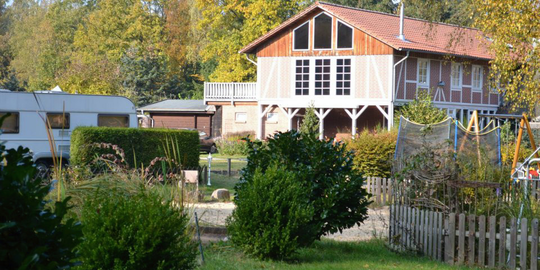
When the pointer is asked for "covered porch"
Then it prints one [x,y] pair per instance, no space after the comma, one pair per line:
[340,122]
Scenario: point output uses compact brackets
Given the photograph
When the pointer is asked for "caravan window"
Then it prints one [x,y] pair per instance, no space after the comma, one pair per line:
[58,120]
[108,120]
[11,122]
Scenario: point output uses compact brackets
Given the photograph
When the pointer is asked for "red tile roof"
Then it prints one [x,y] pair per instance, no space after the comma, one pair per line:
[420,35]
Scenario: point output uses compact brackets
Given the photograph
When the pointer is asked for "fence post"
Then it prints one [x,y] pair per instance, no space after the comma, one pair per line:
[534,244]
[440,236]
[229,167]
[452,235]
[461,239]
[502,242]
[513,243]
[482,241]
[492,239]
[524,240]
[472,239]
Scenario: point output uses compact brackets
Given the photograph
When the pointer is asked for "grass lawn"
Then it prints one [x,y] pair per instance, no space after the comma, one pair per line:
[326,254]
[218,181]
[219,163]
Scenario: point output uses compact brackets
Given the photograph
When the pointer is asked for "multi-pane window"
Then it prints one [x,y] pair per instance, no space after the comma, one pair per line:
[343,77]
[301,37]
[477,78]
[344,36]
[323,32]
[11,122]
[58,120]
[456,75]
[423,76]
[322,77]
[302,77]
[109,120]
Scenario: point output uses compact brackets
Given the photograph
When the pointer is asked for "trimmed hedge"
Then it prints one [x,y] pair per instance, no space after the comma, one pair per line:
[142,145]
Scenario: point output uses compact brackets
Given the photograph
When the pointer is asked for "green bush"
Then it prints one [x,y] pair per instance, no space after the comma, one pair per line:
[232,148]
[233,144]
[323,168]
[421,110]
[141,146]
[135,231]
[374,152]
[273,218]
[32,236]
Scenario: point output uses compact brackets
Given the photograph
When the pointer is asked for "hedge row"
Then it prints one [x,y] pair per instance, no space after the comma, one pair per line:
[142,145]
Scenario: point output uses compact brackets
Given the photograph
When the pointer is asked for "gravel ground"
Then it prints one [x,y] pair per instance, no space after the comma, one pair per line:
[214,214]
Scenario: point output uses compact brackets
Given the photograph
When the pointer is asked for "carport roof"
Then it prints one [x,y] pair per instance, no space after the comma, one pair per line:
[178,105]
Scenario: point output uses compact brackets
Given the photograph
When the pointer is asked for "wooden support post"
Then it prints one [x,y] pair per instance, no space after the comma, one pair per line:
[529,131]
[518,144]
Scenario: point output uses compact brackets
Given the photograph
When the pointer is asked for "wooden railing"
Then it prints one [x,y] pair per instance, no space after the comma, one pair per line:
[234,91]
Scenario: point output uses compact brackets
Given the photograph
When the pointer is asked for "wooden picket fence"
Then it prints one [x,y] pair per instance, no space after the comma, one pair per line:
[380,189]
[461,239]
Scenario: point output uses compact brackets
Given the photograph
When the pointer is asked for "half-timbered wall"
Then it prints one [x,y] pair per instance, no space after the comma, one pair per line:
[371,78]
[440,70]
[282,44]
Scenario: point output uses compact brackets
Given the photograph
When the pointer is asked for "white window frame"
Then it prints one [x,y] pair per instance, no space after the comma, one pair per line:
[352,37]
[331,34]
[274,119]
[309,39]
[333,64]
[460,84]
[236,120]
[481,83]
[418,83]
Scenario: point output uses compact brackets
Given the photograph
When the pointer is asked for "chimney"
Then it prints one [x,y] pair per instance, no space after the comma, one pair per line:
[401,12]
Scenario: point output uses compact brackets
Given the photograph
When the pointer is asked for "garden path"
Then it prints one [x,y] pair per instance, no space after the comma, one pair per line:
[215,214]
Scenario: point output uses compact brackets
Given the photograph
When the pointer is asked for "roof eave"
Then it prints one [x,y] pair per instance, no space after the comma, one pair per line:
[444,54]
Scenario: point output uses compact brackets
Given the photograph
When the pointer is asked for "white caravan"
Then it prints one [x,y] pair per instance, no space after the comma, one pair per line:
[26,124]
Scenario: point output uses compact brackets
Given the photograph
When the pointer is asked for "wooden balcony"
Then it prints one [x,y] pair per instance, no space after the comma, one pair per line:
[235,91]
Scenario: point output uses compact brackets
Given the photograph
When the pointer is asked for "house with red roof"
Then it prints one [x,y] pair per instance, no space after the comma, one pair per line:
[355,67]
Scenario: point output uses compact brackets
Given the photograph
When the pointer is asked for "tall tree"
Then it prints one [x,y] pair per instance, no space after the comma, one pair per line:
[232,24]
[41,37]
[109,32]
[514,30]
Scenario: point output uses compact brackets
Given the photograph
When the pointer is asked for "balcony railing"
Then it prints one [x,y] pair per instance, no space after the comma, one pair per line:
[230,91]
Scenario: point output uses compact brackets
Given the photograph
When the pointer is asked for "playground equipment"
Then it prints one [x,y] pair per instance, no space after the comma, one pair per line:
[523,124]
[484,143]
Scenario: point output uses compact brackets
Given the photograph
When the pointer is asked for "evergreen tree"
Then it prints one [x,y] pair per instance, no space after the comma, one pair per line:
[310,123]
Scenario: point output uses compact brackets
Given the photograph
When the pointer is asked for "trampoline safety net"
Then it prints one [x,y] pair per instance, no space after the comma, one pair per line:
[448,134]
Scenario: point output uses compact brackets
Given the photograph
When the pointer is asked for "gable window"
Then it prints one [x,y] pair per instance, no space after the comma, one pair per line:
[423,73]
[301,37]
[344,36]
[323,32]
[58,120]
[343,77]
[302,77]
[322,77]
[11,122]
[477,72]
[456,75]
